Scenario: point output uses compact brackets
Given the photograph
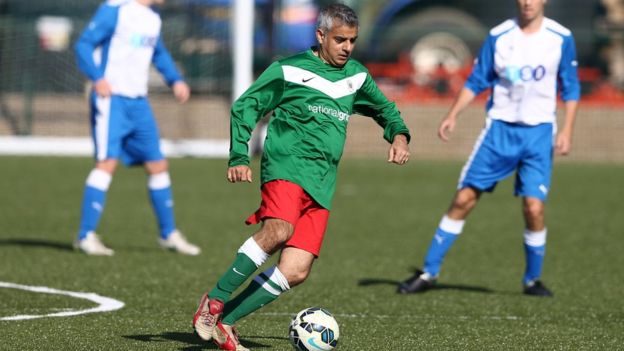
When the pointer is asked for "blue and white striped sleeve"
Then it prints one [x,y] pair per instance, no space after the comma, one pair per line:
[99,30]
[568,76]
[483,75]
[164,63]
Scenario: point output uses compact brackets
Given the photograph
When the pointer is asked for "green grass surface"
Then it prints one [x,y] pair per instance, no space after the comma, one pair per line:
[383,219]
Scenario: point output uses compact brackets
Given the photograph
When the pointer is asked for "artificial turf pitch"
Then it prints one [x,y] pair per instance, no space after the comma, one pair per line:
[381,224]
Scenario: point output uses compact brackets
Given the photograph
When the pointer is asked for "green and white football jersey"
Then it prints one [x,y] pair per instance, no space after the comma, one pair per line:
[311,102]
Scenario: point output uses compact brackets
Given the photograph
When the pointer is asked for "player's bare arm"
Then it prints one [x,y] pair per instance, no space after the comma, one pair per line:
[563,143]
[240,173]
[399,150]
[447,125]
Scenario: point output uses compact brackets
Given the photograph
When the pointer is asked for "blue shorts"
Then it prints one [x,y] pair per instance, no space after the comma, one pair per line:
[124,128]
[503,148]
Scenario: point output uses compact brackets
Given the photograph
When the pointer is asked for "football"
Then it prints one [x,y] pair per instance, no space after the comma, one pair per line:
[314,329]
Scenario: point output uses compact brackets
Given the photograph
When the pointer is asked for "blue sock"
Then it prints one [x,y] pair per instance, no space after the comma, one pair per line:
[161,196]
[447,232]
[534,249]
[93,200]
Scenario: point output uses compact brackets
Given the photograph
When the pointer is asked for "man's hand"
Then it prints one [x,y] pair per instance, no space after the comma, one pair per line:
[102,88]
[446,126]
[563,142]
[399,150]
[448,123]
[181,91]
[241,173]
[563,145]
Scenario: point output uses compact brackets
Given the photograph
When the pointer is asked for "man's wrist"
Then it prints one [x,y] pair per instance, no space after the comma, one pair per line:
[399,137]
[239,160]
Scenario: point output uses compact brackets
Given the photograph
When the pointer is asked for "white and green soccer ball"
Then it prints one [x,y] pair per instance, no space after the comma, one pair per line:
[314,329]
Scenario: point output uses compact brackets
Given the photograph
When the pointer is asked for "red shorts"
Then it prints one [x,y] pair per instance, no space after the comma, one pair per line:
[288,201]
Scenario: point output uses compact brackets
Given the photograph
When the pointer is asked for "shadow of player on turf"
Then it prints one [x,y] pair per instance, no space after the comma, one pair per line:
[37,243]
[194,343]
[462,287]
[437,286]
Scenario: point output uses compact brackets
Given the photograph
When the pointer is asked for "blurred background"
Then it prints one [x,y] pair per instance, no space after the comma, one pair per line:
[419,51]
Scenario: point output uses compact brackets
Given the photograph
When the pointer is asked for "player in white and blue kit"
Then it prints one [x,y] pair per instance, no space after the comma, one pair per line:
[115,52]
[526,61]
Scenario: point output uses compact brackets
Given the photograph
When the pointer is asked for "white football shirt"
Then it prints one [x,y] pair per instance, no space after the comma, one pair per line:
[120,43]
[526,72]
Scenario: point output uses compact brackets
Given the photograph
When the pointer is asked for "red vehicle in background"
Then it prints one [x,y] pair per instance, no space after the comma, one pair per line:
[423,49]
[417,49]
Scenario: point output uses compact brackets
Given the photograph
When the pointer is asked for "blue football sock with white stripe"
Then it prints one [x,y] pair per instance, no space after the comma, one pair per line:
[161,196]
[446,234]
[93,200]
[534,249]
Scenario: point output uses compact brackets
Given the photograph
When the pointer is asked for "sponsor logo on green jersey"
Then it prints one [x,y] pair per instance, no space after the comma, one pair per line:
[328,111]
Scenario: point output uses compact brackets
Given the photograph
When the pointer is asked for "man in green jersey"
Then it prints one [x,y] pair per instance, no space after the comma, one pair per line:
[312,96]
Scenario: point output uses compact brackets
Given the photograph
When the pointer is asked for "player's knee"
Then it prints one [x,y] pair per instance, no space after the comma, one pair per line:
[273,234]
[533,209]
[109,166]
[297,276]
[156,167]
[464,201]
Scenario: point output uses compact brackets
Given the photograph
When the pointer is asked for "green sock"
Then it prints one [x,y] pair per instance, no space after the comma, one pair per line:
[249,300]
[242,268]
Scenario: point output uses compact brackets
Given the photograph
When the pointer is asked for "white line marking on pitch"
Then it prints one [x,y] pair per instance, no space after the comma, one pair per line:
[382,316]
[105,304]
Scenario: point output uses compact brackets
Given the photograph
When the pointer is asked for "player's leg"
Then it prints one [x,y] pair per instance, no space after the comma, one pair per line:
[251,255]
[143,147]
[533,184]
[161,195]
[292,269]
[449,229]
[94,195]
[107,115]
[161,198]
[279,212]
[534,246]
[484,168]
[93,201]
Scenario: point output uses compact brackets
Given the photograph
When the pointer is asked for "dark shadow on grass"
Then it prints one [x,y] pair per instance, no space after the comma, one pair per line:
[37,243]
[63,246]
[193,341]
[438,286]
[462,287]
[267,337]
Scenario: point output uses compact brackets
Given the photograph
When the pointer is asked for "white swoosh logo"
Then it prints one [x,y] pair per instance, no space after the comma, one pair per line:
[439,238]
[237,272]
